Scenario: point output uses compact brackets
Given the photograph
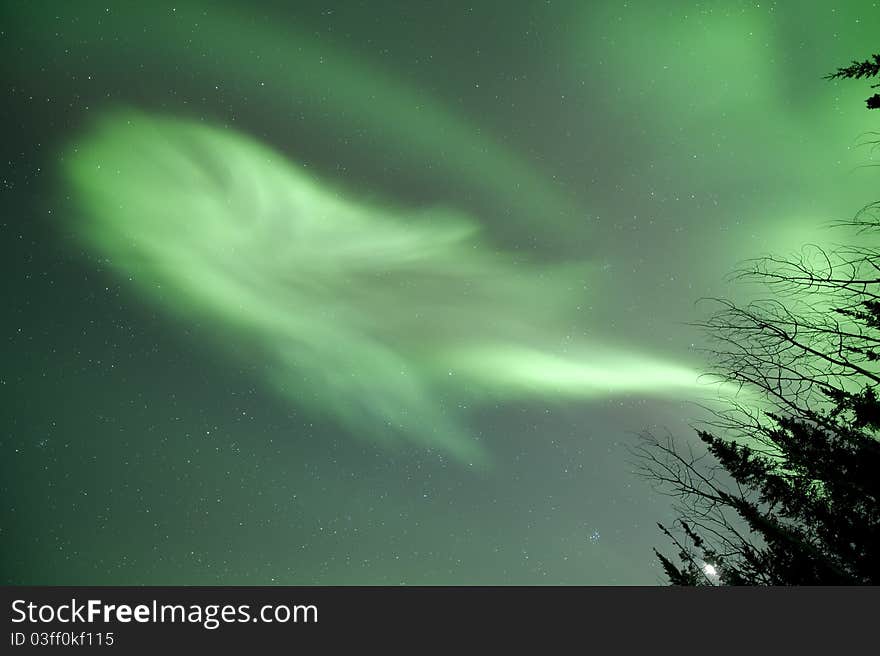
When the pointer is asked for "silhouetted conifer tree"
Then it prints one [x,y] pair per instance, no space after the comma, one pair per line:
[857,70]
[787,491]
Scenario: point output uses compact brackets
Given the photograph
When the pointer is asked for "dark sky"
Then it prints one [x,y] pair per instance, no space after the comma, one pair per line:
[514,210]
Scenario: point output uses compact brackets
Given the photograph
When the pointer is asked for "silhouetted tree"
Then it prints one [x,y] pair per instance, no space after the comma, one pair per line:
[787,490]
[857,70]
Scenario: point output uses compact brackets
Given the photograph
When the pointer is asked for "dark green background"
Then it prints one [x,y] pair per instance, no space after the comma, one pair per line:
[683,137]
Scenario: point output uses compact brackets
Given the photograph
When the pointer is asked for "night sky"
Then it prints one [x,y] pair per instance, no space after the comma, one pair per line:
[380,292]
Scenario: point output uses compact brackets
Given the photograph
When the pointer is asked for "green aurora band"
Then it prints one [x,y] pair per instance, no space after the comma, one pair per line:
[384,319]
[293,75]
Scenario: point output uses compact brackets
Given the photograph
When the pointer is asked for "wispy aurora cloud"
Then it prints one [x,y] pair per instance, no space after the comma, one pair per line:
[287,71]
[383,319]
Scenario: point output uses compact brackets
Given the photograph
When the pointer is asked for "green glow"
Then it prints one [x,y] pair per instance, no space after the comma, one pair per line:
[379,318]
[293,75]
[519,369]
[737,101]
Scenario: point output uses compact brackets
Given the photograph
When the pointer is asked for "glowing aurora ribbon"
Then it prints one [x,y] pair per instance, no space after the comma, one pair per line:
[382,319]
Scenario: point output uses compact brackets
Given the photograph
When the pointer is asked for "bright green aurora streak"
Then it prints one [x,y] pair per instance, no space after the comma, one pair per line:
[383,319]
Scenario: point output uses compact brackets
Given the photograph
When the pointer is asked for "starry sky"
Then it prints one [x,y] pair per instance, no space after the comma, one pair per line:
[380,292]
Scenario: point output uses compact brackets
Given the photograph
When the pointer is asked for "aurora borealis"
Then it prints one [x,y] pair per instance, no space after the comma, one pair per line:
[372,317]
[379,293]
